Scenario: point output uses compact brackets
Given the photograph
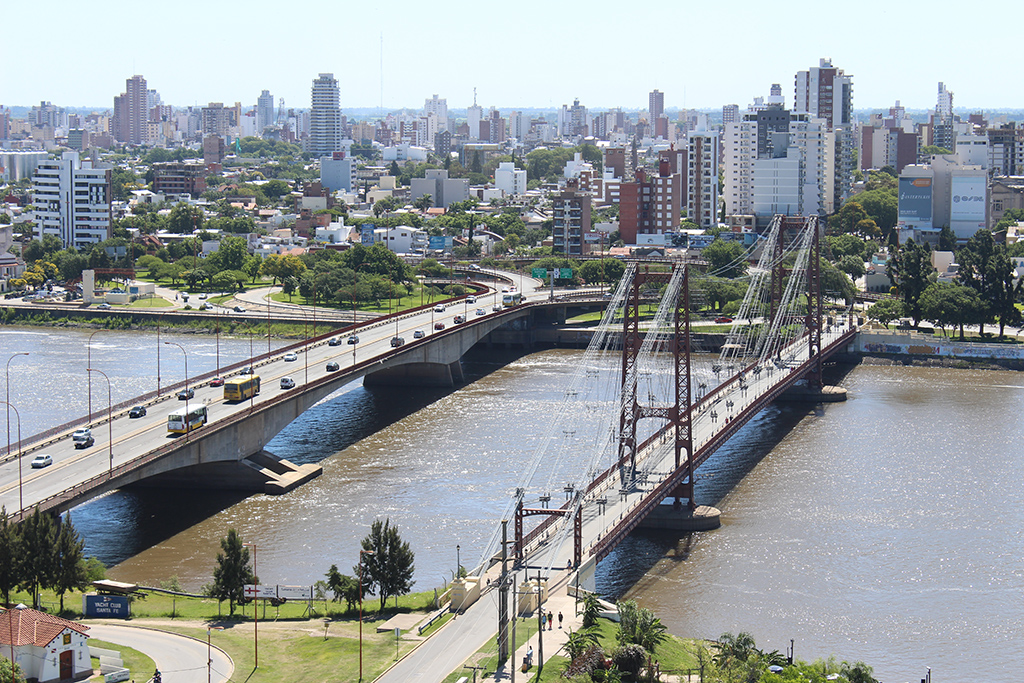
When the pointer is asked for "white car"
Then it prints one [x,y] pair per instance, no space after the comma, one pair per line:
[41,461]
[471,299]
[292,356]
[287,383]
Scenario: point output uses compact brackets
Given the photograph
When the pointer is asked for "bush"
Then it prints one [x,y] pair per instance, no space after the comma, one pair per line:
[630,658]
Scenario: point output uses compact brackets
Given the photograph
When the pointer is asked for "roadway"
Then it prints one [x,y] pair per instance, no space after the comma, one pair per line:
[126,439]
[179,659]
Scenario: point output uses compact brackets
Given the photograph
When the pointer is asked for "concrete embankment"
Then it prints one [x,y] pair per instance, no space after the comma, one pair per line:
[878,345]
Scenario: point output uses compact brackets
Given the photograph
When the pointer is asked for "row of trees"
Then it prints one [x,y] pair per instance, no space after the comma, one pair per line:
[43,552]
[985,291]
[388,567]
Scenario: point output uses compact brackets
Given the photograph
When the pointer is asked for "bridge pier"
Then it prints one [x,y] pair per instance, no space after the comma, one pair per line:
[262,472]
[668,517]
[802,393]
[418,375]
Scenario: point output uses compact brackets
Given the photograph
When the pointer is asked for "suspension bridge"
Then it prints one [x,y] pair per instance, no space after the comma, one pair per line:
[645,407]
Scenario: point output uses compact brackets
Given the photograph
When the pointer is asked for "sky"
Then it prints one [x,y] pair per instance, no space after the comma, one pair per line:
[521,54]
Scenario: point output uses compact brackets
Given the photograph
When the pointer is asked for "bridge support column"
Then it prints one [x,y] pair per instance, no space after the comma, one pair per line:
[417,375]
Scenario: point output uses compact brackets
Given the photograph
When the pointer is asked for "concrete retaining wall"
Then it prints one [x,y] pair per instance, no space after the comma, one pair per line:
[910,343]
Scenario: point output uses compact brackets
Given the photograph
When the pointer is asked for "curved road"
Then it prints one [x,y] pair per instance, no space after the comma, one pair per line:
[180,659]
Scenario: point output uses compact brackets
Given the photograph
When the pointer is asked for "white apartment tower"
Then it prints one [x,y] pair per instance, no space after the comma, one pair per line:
[944,103]
[438,106]
[702,198]
[264,111]
[325,132]
[72,201]
[509,179]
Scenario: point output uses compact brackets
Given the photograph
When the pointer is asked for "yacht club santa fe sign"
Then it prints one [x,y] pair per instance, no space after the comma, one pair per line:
[271,592]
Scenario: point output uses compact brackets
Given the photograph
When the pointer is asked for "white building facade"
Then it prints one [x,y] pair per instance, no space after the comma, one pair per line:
[72,201]
[510,180]
[325,133]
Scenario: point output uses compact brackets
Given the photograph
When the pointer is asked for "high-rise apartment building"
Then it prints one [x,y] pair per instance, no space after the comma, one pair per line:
[216,119]
[438,106]
[72,200]
[325,129]
[1006,150]
[826,92]
[652,204]
[264,111]
[730,113]
[570,220]
[944,102]
[702,177]
[656,104]
[131,112]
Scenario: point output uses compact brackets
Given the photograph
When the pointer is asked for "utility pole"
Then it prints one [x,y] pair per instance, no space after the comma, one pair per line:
[503,649]
[540,632]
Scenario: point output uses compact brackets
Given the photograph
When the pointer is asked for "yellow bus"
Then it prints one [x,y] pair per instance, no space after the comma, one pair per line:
[185,420]
[241,388]
[512,299]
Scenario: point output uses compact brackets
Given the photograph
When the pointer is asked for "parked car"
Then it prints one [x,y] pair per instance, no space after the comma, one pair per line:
[396,342]
[459,319]
[217,382]
[41,461]
[239,309]
[723,319]
[287,383]
[137,411]
[353,339]
[419,334]
[438,326]
[334,341]
[291,356]
[332,366]
[186,394]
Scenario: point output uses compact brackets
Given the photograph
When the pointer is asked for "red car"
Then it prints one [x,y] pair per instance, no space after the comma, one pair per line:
[438,326]
[217,382]
[723,319]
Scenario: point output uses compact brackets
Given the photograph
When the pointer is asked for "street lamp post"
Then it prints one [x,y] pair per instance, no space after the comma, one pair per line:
[88,364]
[186,384]
[209,652]
[7,385]
[361,553]
[110,421]
[21,496]
[255,610]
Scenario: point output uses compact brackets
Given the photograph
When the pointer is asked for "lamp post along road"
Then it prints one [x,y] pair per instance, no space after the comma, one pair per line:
[88,364]
[255,610]
[7,384]
[187,423]
[21,495]
[361,553]
[110,421]
[209,652]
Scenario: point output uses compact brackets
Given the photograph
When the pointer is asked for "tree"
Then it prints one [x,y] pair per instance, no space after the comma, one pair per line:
[639,626]
[852,266]
[950,305]
[858,672]
[389,569]
[69,561]
[232,572]
[580,641]
[725,258]
[10,554]
[18,676]
[846,219]
[343,586]
[977,270]
[910,268]
[846,245]
[947,239]
[185,218]
[423,202]
[591,610]
[38,538]
[887,310]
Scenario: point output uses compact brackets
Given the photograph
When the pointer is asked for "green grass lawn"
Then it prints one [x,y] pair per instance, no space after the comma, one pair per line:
[139,664]
[150,302]
[403,304]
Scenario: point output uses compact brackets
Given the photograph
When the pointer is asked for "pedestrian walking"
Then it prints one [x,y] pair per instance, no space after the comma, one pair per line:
[551,621]
[559,620]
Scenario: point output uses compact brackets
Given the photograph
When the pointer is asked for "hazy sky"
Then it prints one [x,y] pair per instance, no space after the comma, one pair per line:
[517,54]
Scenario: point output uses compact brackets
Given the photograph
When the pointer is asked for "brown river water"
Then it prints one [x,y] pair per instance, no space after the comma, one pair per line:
[886,529]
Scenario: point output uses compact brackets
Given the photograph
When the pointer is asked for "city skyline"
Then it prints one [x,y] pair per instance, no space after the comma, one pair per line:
[542,56]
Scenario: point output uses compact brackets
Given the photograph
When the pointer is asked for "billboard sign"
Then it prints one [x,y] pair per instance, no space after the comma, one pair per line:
[295,592]
[915,200]
[967,199]
[437,242]
[109,606]
[260,591]
[539,273]
[565,273]
[366,232]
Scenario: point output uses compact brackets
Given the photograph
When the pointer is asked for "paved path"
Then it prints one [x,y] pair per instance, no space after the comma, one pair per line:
[180,659]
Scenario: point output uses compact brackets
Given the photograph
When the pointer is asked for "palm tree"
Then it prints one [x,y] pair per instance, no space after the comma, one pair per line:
[580,641]
[731,649]
[591,610]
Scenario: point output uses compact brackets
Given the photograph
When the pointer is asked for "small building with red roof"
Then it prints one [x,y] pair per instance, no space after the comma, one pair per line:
[47,648]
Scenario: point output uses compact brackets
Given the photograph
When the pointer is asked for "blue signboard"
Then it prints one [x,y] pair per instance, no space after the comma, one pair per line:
[366,231]
[437,242]
[114,606]
[915,199]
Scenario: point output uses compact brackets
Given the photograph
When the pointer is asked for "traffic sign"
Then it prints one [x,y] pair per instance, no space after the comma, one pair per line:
[565,273]
[540,273]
